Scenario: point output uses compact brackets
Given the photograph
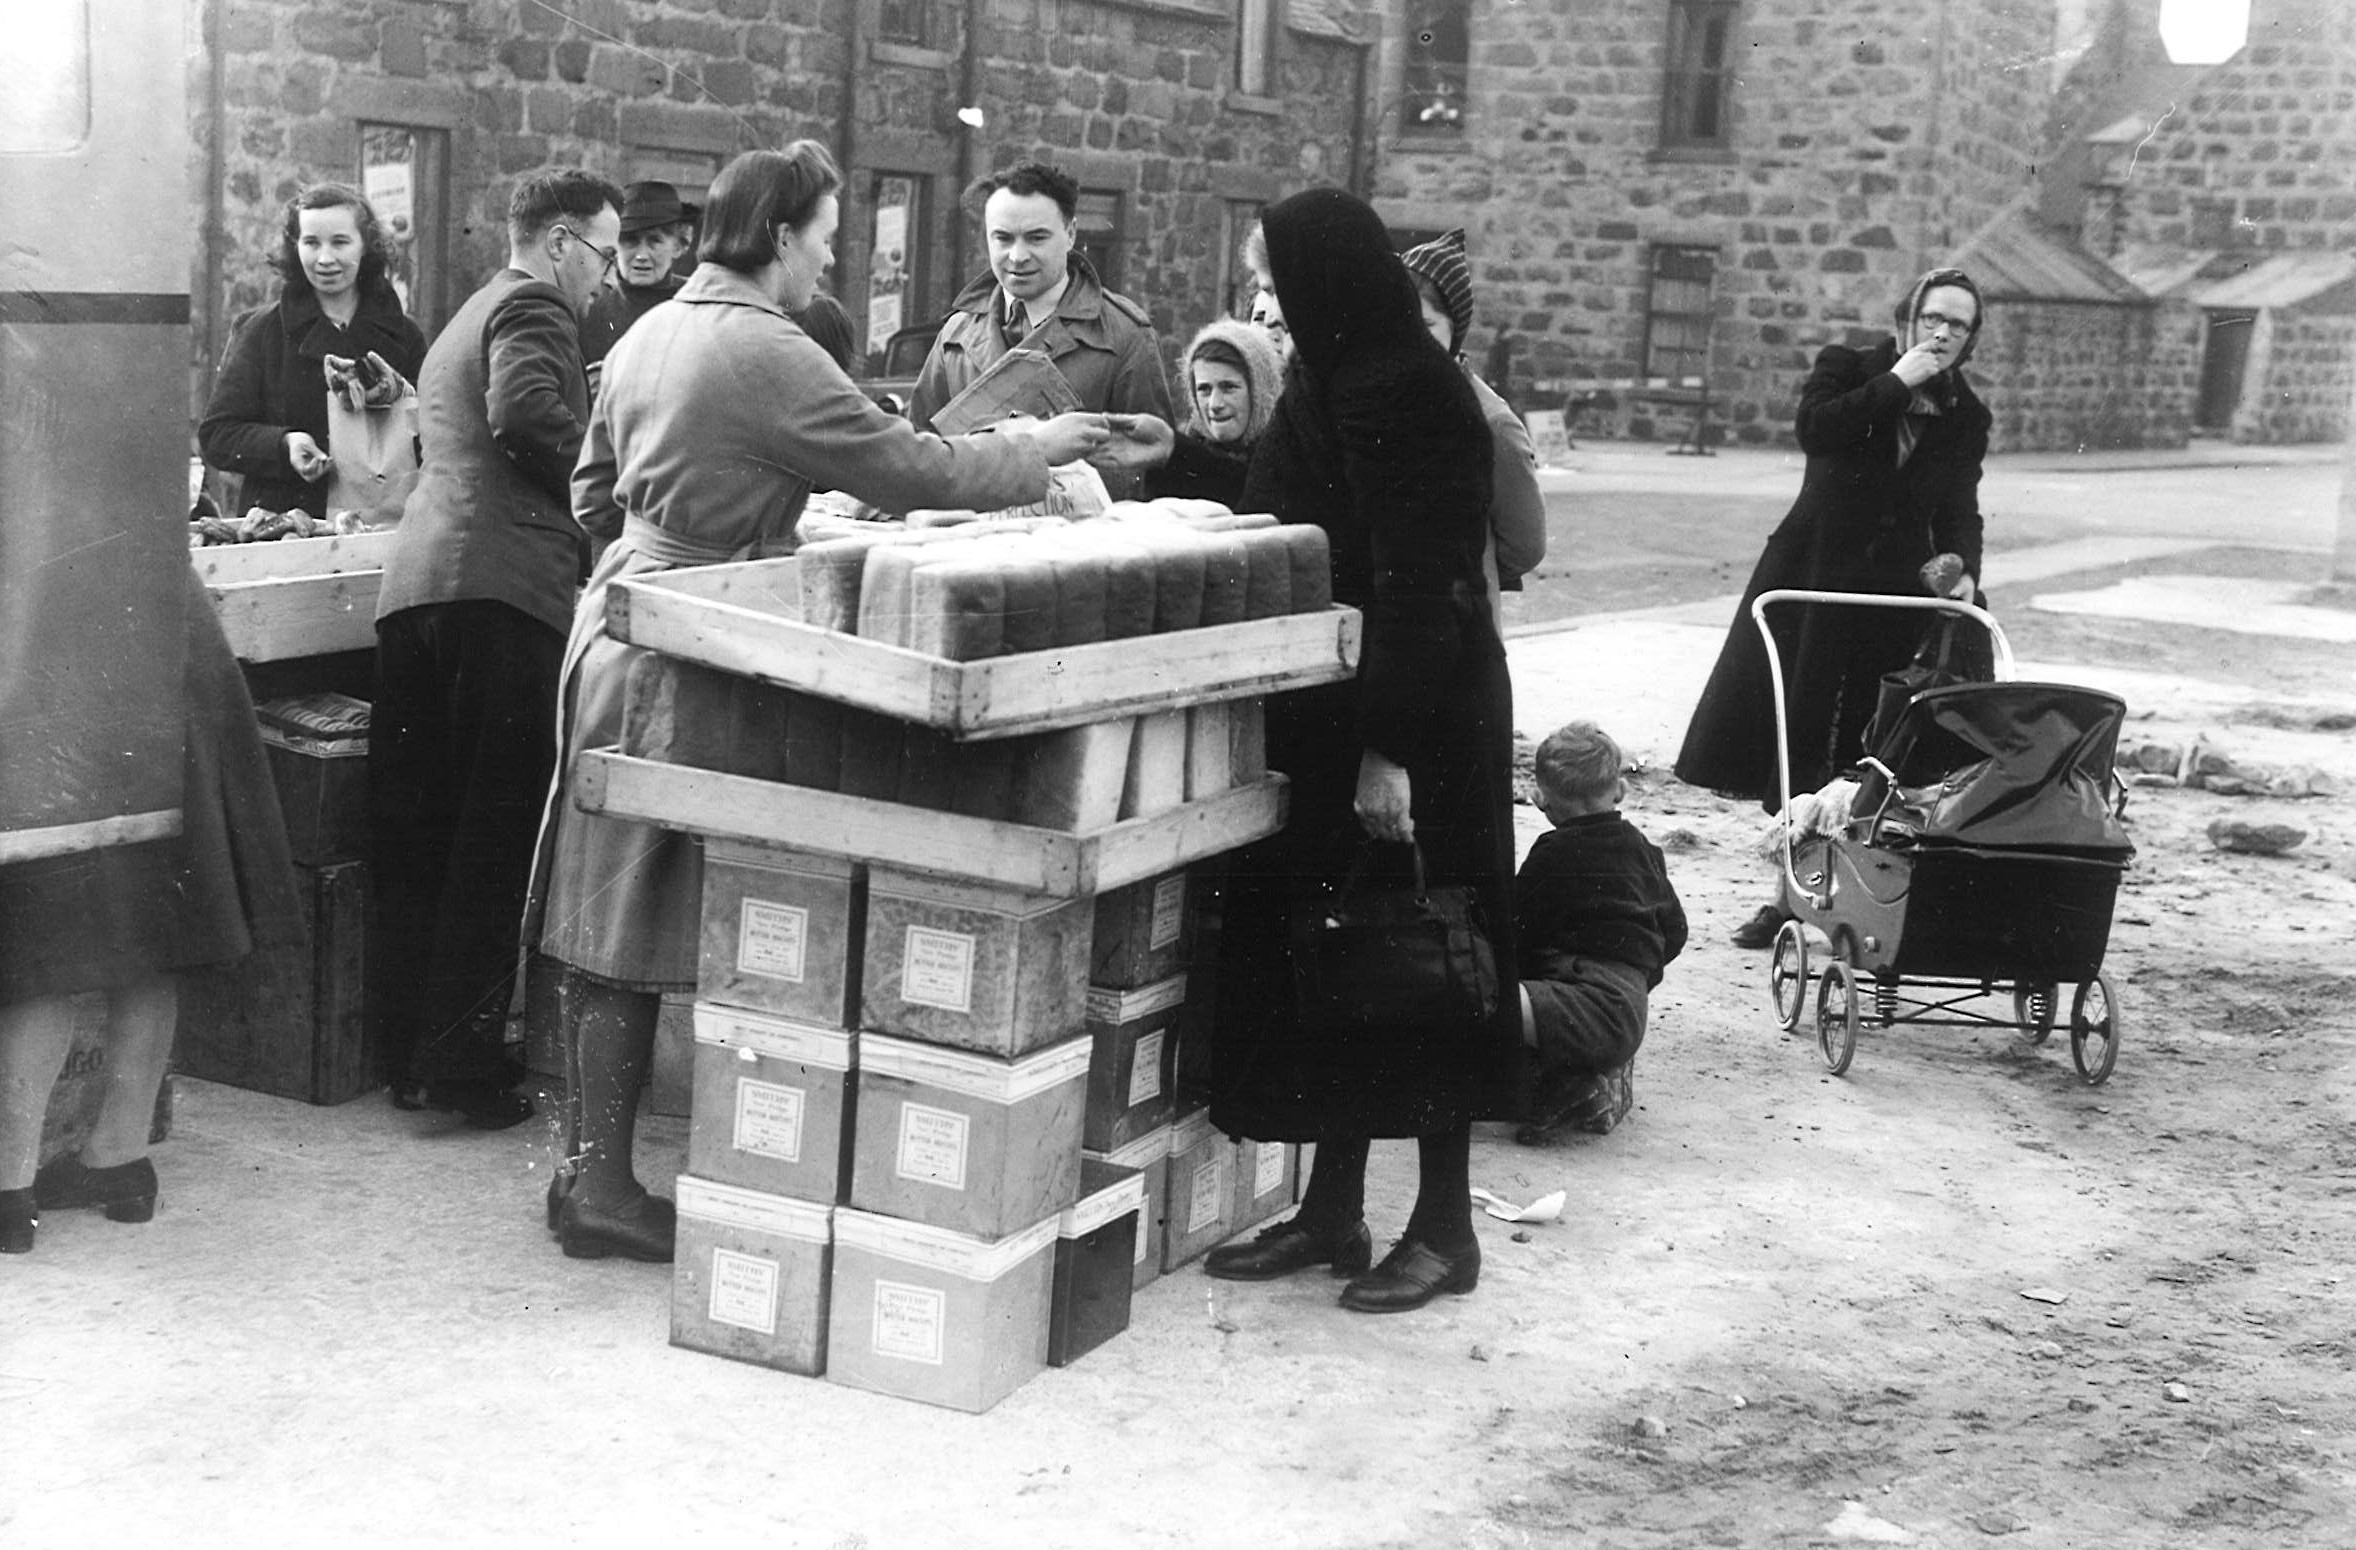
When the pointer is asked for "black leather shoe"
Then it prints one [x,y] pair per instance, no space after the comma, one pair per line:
[1759,931]
[644,1231]
[1412,1274]
[125,1192]
[1287,1247]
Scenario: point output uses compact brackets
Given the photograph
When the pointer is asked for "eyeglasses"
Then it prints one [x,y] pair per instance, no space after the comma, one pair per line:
[612,256]
[1937,322]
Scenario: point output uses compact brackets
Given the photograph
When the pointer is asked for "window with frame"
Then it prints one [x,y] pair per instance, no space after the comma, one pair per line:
[1439,44]
[895,259]
[1098,219]
[405,174]
[1255,47]
[1236,285]
[902,21]
[1694,98]
[1677,312]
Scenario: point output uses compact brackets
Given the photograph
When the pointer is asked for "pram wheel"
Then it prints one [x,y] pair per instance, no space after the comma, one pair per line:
[2034,1008]
[1787,974]
[2094,1029]
[1836,1015]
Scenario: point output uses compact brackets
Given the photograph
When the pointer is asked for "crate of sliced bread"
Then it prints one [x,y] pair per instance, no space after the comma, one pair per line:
[989,629]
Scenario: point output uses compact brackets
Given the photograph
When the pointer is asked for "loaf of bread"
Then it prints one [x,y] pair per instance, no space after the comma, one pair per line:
[1226,578]
[1247,740]
[814,748]
[1079,579]
[1155,780]
[927,774]
[1030,608]
[1210,751]
[983,783]
[957,608]
[1312,567]
[1268,580]
[1071,780]
[871,755]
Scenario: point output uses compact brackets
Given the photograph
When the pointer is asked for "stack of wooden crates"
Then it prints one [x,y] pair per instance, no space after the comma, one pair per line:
[935,1139]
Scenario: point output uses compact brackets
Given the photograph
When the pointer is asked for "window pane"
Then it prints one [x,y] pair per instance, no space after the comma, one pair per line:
[45,107]
[388,170]
[1252,38]
[1432,94]
[901,21]
[1099,236]
[891,271]
[1694,91]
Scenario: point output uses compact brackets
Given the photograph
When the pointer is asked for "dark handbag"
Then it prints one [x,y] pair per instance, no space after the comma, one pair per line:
[1954,650]
[1391,955]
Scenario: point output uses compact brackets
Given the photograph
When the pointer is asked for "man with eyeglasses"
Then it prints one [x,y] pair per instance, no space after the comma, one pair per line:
[1889,504]
[470,627]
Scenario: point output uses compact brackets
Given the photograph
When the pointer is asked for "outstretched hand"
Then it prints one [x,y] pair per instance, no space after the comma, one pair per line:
[1137,442]
[1067,438]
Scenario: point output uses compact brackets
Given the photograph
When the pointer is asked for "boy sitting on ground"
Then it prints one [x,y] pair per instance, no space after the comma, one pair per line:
[1596,920]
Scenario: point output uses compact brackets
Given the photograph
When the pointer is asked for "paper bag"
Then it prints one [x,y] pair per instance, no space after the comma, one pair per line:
[375,453]
[1022,381]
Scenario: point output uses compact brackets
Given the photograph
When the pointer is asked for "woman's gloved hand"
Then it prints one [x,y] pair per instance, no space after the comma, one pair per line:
[1385,799]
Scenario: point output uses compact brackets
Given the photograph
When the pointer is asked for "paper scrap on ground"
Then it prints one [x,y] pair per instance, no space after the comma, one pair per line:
[1544,1209]
[1858,1524]
[2044,1294]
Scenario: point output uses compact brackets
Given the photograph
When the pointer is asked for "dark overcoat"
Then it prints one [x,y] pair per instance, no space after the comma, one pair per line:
[1864,522]
[273,380]
[1378,440]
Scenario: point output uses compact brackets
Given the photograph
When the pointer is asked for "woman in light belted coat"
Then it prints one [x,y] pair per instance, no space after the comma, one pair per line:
[717,417]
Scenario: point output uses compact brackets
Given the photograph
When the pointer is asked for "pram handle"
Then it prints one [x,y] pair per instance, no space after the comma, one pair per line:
[2005,672]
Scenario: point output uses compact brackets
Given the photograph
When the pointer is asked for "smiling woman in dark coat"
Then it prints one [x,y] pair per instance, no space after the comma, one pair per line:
[1378,440]
[1894,437]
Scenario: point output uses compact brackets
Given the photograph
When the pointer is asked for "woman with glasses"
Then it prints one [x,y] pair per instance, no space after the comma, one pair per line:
[1889,503]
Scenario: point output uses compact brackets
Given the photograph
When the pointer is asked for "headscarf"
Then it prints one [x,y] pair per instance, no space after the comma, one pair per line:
[1342,286]
[1442,262]
[1911,308]
[1263,375]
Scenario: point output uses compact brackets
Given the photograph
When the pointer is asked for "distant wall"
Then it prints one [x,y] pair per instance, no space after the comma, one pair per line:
[2300,390]
[2072,376]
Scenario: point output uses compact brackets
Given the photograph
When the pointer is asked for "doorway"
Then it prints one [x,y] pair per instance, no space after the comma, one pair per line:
[2225,356]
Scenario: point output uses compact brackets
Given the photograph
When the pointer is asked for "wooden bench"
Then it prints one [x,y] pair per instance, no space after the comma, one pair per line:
[1691,394]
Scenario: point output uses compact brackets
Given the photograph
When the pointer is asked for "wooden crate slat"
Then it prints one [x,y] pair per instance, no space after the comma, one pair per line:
[225,564]
[299,616]
[1035,860]
[742,619]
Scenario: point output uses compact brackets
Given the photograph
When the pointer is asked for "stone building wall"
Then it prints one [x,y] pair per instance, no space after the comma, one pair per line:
[2259,157]
[1869,139]
[2074,376]
[2300,382]
[1135,97]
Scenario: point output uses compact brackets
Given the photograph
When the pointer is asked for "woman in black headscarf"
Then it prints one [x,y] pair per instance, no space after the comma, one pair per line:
[1890,503]
[1378,440]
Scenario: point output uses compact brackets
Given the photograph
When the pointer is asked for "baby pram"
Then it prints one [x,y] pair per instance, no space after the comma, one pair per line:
[1982,853]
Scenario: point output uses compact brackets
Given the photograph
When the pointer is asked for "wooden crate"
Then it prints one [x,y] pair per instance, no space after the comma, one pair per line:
[296,597]
[1035,860]
[746,619]
[287,1020]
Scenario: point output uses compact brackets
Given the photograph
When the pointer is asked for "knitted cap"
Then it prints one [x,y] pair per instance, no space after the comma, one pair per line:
[1442,262]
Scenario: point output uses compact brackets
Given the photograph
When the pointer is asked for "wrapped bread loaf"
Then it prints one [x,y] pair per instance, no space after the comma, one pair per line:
[871,755]
[1155,780]
[927,771]
[1029,587]
[1226,578]
[984,781]
[1268,580]
[814,750]
[956,608]
[1079,580]
[1312,567]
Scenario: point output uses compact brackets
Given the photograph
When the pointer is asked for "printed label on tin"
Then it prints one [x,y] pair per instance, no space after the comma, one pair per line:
[936,969]
[1267,1167]
[1169,912]
[769,939]
[744,1291]
[932,1146]
[769,1119]
[908,1322]
[1145,1069]
[1209,1197]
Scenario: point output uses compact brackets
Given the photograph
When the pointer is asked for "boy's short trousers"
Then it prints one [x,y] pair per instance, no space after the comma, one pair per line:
[1591,1021]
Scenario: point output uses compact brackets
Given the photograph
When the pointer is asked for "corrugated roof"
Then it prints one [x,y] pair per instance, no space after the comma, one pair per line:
[2284,280]
[2015,261]
[1336,19]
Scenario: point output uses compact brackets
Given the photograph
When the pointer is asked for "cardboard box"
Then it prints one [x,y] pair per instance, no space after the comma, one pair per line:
[937,1316]
[967,1142]
[1140,933]
[288,1020]
[973,966]
[1132,1065]
[771,1097]
[750,1276]
[779,929]
[1095,1245]
[1149,1157]
[1200,1214]
[1266,1176]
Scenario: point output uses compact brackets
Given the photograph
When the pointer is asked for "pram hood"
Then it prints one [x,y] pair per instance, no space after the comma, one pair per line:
[2024,766]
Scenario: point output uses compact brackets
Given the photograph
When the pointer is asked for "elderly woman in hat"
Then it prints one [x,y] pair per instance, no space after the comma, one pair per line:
[1517,512]
[657,230]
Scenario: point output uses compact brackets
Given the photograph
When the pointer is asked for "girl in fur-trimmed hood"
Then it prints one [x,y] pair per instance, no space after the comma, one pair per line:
[1230,379]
